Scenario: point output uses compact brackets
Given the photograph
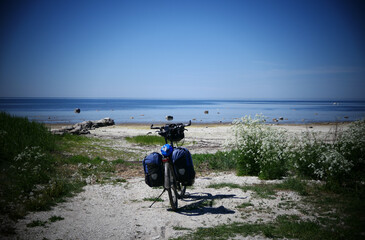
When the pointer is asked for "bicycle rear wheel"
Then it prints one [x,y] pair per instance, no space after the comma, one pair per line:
[171,189]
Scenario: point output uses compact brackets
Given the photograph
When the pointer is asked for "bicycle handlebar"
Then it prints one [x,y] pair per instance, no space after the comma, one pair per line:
[170,125]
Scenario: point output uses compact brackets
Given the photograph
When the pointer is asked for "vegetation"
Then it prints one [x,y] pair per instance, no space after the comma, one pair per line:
[146,140]
[39,169]
[220,161]
[35,174]
[285,226]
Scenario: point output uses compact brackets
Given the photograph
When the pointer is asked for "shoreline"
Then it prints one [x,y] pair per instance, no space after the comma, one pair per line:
[200,124]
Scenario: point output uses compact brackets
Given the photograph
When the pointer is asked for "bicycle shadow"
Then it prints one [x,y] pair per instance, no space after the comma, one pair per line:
[202,203]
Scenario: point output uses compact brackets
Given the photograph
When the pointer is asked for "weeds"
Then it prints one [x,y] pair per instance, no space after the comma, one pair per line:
[153,199]
[36,223]
[55,218]
[245,205]
[221,161]
[146,140]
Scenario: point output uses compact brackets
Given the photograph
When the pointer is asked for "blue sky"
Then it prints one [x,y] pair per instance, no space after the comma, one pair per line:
[183,49]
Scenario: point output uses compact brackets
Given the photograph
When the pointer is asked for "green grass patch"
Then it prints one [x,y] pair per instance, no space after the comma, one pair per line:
[285,226]
[91,147]
[55,218]
[223,185]
[146,140]
[179,228]
[36,223]
[219,161]
[153,199]
[294,184]
[245,205]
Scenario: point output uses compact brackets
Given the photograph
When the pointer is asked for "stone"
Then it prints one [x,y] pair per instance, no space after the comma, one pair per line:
[77,110]
[206,112]
[169,118]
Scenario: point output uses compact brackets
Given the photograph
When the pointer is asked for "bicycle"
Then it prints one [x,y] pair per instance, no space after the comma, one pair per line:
[175,189]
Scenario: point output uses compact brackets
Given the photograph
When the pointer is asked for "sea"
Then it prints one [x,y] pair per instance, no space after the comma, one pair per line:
[62,110]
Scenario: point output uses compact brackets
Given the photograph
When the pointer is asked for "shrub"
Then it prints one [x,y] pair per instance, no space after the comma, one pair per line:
[262,150]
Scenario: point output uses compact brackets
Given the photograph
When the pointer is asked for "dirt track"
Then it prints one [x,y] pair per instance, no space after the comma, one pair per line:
[119,211]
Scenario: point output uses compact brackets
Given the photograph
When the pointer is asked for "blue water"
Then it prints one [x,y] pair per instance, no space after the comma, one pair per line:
[57,110]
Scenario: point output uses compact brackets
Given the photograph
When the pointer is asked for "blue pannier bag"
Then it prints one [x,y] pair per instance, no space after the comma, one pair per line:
[183,164]
[153,170]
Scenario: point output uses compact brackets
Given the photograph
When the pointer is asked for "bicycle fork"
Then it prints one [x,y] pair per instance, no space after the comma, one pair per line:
[167,184]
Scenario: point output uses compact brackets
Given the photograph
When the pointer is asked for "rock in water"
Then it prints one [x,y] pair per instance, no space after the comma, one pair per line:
[77,110]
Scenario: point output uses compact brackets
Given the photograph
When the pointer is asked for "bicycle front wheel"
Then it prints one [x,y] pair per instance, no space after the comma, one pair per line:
[171,189]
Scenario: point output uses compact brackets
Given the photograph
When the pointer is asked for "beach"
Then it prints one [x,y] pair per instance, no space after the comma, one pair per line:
[120,210]
[199,138]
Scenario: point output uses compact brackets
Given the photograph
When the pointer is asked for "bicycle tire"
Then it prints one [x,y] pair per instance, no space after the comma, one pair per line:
[172,189]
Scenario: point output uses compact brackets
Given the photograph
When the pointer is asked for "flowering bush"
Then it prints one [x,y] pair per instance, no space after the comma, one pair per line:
[29,167]
[269,153]
[262,150]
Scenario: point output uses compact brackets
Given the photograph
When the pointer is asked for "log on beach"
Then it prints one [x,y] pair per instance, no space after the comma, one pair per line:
[84,127]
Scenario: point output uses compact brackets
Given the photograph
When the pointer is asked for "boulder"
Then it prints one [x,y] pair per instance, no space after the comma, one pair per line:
[169,118]
[77,110]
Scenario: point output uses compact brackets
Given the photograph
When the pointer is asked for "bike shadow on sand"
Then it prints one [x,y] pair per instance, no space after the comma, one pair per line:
[202,203]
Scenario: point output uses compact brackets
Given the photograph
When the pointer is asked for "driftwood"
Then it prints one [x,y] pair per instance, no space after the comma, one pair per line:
[84,127]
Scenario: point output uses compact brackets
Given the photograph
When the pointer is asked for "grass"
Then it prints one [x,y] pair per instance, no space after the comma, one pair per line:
[39,223]
[55,218]
[219,161]
[245,205]
[337,215]
[91,147]
[284,226]
[179,228]
[36,223]
[146,140]
[153,199]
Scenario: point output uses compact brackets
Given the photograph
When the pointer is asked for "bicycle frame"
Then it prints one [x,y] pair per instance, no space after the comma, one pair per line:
[170,184]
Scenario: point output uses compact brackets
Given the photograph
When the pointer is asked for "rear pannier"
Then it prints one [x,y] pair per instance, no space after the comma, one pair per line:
[183,164]
[153,170]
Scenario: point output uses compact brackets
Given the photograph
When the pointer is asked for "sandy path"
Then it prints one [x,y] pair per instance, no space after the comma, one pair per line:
[119,212]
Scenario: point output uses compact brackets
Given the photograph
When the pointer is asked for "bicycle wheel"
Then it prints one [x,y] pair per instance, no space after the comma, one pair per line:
[171,189]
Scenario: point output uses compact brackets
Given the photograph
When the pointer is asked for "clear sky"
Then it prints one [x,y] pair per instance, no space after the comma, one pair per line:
[183,49]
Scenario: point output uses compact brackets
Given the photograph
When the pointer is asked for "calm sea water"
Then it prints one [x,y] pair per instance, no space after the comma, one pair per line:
[57,110]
